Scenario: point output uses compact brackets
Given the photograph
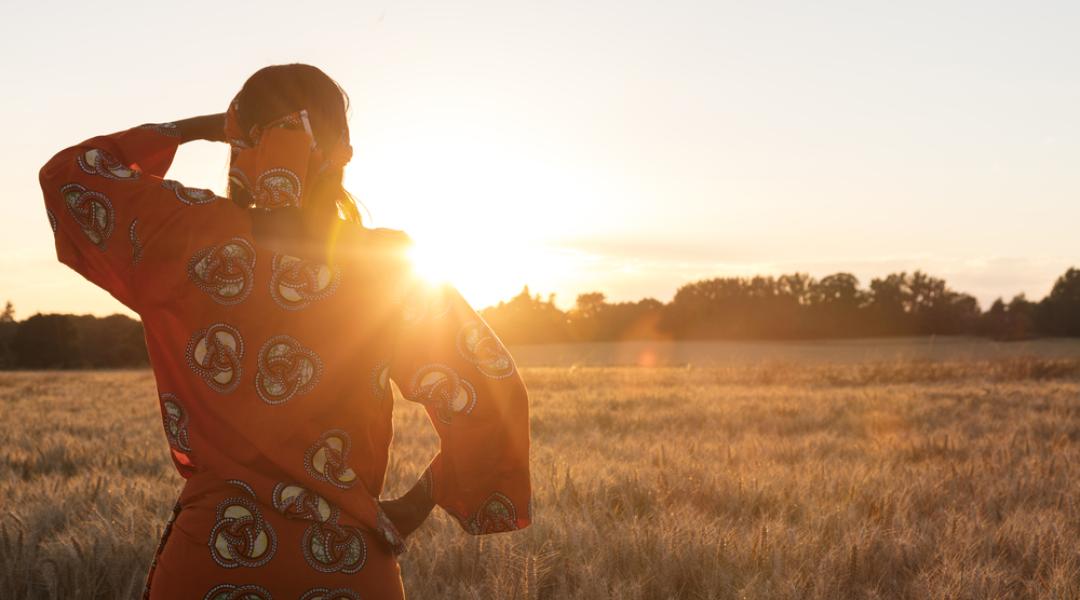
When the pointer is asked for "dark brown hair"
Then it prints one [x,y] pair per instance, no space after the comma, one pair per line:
[278,90]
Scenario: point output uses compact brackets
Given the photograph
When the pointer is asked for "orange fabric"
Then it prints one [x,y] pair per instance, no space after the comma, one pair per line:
[274,374]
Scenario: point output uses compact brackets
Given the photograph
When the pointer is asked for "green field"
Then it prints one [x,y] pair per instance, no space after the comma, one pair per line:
[768,478]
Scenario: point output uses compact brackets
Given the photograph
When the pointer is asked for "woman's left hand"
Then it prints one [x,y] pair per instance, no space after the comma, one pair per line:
[206,127]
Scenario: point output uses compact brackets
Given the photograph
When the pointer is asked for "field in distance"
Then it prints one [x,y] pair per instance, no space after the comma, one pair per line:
[767,479]
[727,353]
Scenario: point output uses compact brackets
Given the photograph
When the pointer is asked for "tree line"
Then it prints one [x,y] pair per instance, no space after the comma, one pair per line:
[792,307]
[70,341]
[788,307]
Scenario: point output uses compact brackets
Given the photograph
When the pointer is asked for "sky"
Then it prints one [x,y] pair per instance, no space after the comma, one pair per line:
[624,147]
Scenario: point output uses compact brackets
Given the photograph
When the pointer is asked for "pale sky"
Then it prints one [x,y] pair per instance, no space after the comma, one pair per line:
[617,146]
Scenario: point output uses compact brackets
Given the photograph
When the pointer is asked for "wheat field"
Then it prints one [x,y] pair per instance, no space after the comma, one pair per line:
[872,480]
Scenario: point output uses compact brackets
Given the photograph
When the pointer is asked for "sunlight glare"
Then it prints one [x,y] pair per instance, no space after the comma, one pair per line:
[486,270]
[484,217]
[430,264]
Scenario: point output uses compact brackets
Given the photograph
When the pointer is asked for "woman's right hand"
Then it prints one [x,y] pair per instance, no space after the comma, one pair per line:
[409,512]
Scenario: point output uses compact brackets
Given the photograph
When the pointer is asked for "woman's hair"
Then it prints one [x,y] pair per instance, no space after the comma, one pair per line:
[278,90]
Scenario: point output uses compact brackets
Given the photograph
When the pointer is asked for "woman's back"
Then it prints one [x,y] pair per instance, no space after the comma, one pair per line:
[274,375]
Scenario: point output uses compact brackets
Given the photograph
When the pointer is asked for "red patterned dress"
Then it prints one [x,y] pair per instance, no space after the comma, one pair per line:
[273,374]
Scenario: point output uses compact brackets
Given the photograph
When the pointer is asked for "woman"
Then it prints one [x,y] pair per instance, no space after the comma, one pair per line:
[275,323]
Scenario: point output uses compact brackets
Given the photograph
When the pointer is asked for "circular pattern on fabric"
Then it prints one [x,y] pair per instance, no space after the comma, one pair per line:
[226,272]
[327,459]
[214,354]
[286,369]
[330,548]
[93,211]
[328,594]
[479,345]
[100,162]
[175,421]
[52,220]
[496,515]
[240,536]
[277,188]
[440,387]
[296,283]
[297,502]
[228,591]
[188,195]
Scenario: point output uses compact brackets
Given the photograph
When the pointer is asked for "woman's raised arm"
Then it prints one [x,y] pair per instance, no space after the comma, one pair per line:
[107,197]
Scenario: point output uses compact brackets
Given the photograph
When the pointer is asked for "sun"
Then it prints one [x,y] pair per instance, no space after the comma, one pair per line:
[470,267]
[484,214]
[433,265]
[484,269]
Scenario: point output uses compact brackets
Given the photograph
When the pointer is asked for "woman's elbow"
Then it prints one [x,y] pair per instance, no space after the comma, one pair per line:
[56,169]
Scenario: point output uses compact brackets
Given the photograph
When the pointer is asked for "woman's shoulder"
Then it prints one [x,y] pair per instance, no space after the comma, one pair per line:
[390,238]
[365,241]
[379,248]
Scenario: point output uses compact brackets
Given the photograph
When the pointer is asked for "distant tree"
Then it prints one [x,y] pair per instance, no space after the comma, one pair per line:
[527,318]
[836,306]
[110,342]
[594,319]
[889,305]
[782,305]
[743,308]
[994,320]
[698,309]
[585,317]
[644,320]
[939,310]
[1007,322]
[1059,312]
[838,289]
[8,326]
[46,341]
[590,305]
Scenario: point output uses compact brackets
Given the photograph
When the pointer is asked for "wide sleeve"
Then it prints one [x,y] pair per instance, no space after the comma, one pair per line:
[448,359]
[106,197]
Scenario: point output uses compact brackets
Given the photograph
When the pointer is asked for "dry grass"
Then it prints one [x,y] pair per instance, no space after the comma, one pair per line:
[899,480]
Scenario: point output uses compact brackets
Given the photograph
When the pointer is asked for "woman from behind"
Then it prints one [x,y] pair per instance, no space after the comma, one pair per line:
[276,323]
